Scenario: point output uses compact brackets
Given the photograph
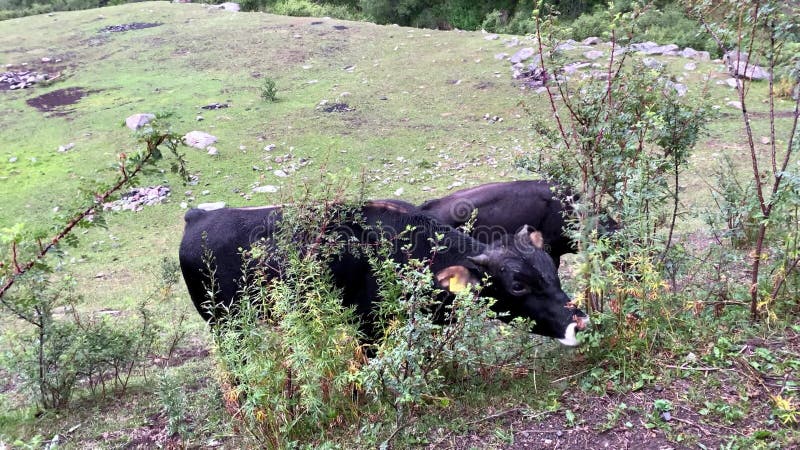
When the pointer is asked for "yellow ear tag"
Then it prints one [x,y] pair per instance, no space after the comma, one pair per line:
[457,284]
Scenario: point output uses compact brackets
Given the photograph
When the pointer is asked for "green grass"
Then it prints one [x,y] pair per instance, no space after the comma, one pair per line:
[419,97]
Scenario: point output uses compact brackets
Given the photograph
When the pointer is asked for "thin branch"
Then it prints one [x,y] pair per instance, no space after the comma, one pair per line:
[76,219]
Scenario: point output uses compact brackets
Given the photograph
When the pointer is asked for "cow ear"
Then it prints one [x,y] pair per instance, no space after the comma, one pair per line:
[455,278]
[528,236]
[537,239]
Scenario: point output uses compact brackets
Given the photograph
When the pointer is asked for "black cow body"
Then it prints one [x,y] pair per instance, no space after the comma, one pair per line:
[503,208]
[522,277]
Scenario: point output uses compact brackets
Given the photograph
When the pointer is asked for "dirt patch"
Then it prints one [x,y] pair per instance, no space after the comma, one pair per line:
[337,107]
[128,27]
[56,101]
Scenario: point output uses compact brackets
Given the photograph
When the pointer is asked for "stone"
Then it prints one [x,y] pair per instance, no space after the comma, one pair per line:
[652,63]
[740,66]
[213,151]
[522,55]
[689,66]
[199,139]
[681,89]
[735,104]
[65,148]
[399,192]
[46,59]
[566,46]
[491,37]
[765,140]
[591,41]
[137,121]
[266,189]
[731,82]
[593,54]
[269,148]
[500,56]
[211,206]
[280,173]
[573,67]
[229,6]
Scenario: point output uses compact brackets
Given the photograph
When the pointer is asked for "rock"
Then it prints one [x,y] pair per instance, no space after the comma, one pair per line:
[573,67]
[280,173]
[566,46]
[229,6]
[666,416]
[591,41]
[681,89]
[399,192]
[731,82]
[199,139]
[644,46]
[652,63]
[593,54]
[269,148]
[522,55]
[213,151]
[13,159]
[500,56]
[184,205]
[651,48]
[46,59]
[266,189]
[137,121]
[199,118]
[689,52]
[689,66]
[765,140]
[64,148]
[215,106]
[740,66]
[735,104]
[513,42]
[211,206]
[491,37]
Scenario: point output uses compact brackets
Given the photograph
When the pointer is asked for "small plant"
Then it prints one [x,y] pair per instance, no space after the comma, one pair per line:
[269,90]
[786,409]
[174,404]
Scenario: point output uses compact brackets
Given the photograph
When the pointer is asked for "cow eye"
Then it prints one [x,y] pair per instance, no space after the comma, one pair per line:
[518,288]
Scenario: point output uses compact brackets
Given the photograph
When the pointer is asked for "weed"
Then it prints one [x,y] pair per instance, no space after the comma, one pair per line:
[269,90]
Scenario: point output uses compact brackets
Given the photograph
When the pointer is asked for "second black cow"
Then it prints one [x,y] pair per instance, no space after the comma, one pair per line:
[522,277]
[504,208]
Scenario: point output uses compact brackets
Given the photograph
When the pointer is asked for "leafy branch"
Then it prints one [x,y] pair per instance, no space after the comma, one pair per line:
[128,168]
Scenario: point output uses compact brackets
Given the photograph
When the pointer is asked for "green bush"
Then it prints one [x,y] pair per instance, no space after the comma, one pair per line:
[291,358]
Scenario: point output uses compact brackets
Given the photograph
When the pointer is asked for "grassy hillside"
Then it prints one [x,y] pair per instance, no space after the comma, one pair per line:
[411,121]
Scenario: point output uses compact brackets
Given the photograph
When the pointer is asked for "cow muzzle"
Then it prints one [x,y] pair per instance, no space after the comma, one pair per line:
[570,338]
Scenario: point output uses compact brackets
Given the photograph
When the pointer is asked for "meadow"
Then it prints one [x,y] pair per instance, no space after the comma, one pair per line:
[395,111]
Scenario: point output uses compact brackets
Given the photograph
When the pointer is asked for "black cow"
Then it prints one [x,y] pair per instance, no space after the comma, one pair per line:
[522,277]
[505,207]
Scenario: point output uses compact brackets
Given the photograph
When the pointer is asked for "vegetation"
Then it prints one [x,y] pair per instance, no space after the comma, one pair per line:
[694,339]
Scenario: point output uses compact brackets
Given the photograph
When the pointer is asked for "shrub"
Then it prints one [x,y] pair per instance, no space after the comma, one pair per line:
[291,357]
[269,90]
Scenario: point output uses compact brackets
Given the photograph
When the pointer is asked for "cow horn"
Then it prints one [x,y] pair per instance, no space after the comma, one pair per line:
[489,260]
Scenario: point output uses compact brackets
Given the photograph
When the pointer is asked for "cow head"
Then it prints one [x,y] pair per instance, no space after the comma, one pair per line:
[525,283]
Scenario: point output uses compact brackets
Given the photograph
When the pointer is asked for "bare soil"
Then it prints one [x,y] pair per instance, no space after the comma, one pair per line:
[55,102]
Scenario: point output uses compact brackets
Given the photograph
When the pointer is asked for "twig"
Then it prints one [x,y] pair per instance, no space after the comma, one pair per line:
[570,376]
[689,422]
[701,369]
[76,219]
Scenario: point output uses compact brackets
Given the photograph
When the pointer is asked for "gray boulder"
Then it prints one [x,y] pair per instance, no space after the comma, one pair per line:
[740,66]
[522,55]
[199,139]
[593,54]
[591,41]
[137,121]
